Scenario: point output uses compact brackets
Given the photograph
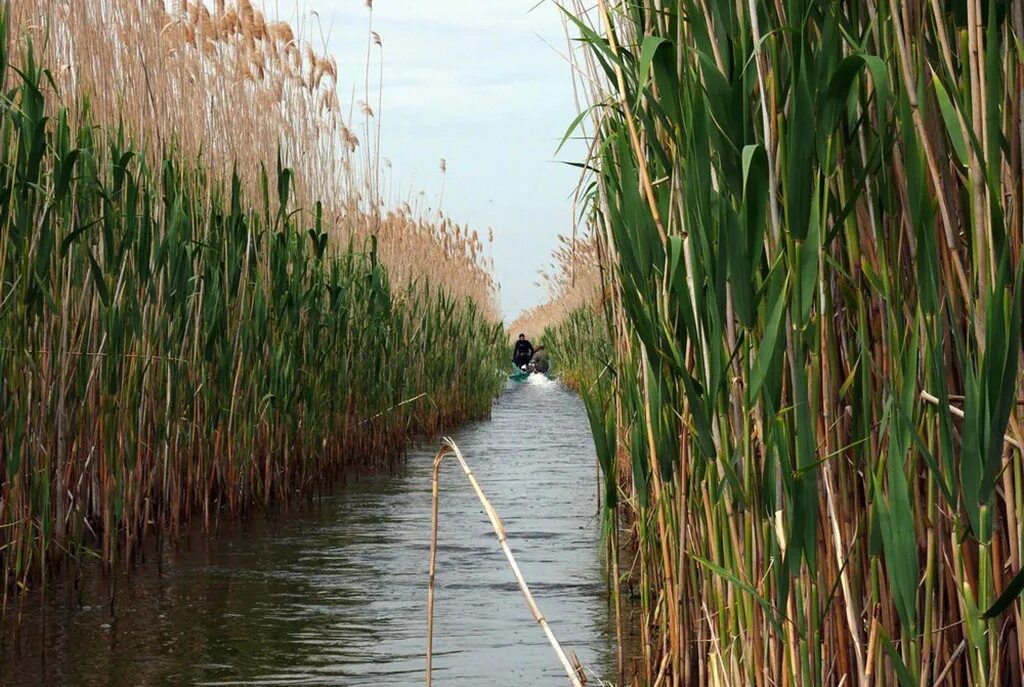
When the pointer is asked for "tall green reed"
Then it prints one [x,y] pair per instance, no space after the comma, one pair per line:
[172,349]
[811,213]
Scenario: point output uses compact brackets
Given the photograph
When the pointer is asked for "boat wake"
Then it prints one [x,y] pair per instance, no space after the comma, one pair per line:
[541,380]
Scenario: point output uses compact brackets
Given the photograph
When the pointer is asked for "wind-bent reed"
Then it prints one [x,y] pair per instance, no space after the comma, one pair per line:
[810,215]
[184,333]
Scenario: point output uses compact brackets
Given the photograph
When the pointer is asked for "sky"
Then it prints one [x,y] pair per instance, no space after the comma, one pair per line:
[480,84]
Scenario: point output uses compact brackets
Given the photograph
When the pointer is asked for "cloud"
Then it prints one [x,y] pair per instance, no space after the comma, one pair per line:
[472,81]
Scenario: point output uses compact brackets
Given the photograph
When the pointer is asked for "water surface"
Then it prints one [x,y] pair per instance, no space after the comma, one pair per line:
[337,596]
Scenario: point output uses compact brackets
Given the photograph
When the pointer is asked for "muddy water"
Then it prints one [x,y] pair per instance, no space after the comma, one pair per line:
[338,595]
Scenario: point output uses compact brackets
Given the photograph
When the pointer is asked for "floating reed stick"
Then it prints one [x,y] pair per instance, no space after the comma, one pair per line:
[448,446]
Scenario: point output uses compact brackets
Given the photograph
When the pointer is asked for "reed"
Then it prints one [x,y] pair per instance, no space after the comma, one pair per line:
[573,669]
[185,332]
[223,82]
[810,215]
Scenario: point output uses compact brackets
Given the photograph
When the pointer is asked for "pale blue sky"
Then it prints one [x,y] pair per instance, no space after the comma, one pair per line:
[476,83]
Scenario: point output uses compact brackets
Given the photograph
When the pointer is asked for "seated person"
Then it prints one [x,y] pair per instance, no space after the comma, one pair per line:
[522,352]
[539,361]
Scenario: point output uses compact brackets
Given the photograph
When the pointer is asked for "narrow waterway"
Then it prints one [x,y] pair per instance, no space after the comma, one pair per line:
[338,595]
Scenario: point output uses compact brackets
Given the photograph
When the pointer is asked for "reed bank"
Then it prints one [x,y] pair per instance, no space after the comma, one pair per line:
[205,307]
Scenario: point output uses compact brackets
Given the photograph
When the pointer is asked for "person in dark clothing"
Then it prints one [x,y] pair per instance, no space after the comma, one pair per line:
[522,352]
[539,361]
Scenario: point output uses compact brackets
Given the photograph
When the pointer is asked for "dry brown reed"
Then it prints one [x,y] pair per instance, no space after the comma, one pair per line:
[225,84]
[416,246]
[573,282]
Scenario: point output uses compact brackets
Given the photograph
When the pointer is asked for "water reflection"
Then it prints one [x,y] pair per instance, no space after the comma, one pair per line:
[338,596]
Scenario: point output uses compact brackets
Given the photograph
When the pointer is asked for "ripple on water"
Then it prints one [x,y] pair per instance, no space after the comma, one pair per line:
[338,596]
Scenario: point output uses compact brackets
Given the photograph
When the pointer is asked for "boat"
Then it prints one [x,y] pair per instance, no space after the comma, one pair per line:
[521,374]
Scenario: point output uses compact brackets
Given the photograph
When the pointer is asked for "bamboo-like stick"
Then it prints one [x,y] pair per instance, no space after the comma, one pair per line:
[448,447]
[929,398]
[397,405]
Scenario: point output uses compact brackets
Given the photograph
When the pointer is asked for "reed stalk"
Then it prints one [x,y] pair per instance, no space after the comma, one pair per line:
[808,221]
[448,447]
[186,331]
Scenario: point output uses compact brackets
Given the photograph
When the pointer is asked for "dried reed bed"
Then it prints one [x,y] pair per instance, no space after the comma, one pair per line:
[185,331]
[573,282]
[811,219]
[432,249]
[222,82]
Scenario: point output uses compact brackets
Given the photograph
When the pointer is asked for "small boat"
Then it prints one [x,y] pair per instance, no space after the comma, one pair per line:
[519,374]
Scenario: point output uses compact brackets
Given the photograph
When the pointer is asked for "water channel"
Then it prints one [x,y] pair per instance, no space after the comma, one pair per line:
[336,595]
